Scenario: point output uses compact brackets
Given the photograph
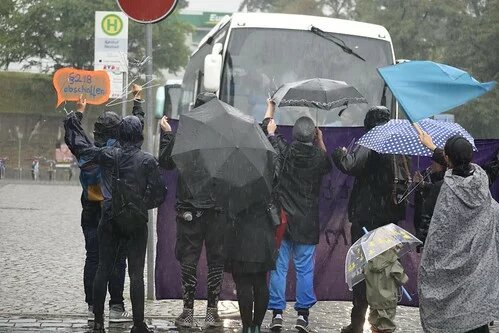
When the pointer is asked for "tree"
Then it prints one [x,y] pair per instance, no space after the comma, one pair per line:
[63,31]
[461,33]
[333,8]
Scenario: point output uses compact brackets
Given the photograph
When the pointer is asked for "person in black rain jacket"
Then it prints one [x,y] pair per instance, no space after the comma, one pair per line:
[139,171]
[199,221]
[371,203]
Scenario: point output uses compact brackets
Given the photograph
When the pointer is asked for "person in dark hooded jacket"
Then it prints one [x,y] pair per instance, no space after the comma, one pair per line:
[105,133]
[302,166]
[139,171]
[200,221]
[371,202]
[250,254]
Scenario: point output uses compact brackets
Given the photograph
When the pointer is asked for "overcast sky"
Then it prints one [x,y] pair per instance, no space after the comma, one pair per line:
[214,5]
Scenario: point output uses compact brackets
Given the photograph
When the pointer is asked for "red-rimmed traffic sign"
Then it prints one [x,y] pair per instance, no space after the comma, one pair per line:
[147,11]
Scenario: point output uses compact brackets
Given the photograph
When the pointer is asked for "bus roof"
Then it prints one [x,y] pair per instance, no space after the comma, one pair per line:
[301,22]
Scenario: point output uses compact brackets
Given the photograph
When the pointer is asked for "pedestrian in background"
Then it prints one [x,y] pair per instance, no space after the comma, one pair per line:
[3,162]
[35,169]
[303,166]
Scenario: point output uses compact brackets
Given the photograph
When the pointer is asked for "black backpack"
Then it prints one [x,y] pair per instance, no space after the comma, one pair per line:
[129,207]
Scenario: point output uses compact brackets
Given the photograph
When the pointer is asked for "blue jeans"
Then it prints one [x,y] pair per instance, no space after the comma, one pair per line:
[90,217]
[304,261]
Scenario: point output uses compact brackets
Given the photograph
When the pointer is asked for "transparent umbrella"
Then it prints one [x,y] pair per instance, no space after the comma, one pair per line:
[373,244]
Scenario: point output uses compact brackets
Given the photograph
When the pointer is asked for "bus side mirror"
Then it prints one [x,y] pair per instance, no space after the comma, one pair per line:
[213,69]
[160,102]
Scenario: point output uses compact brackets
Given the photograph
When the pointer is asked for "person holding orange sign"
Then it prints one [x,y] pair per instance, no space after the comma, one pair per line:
[94,190]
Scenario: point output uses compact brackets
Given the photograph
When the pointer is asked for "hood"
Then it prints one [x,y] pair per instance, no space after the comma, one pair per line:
[473,191]
[382,261]
[130,131]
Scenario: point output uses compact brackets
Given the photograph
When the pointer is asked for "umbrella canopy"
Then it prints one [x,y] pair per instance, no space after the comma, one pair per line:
[220,150]
[426,88]
[317,93]
[373,244]
[399,136]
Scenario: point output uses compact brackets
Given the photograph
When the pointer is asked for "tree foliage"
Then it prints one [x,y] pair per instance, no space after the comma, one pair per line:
[63,32]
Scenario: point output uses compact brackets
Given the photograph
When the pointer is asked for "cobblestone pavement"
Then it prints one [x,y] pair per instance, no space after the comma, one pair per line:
[41,269]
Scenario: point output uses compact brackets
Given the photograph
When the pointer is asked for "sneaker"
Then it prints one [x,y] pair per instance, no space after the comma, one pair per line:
[186,318]
[302,325]
[117,314]
[212,318]
[142,328]
[98,328]
[351,329]
[90,313]
[277,322]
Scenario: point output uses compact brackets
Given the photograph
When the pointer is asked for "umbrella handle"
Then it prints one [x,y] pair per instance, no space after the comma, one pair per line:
[404,291]
[406,294]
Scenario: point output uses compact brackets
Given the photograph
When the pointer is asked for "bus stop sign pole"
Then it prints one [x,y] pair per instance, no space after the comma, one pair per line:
[149,12]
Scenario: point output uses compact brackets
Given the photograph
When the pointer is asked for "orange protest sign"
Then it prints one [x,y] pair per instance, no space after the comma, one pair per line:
[70,83]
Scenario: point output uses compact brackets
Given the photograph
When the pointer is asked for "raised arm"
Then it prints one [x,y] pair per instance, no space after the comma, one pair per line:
[351,164]
[167,141]
[137,103]
[270,109]
[79,143]
[74,136]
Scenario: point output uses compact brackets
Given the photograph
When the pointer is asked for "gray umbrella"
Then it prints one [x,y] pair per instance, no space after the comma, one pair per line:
[318,93]
[221,150]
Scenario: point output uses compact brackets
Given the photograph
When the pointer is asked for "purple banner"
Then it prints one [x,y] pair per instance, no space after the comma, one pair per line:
[335,231]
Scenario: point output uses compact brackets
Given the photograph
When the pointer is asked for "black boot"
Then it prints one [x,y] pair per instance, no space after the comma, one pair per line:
[140,328]
[246,329]
[256,329]
[351,329]
[98,327]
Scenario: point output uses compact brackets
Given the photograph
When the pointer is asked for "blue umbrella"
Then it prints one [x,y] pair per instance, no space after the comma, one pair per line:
[426,88]
[399,136]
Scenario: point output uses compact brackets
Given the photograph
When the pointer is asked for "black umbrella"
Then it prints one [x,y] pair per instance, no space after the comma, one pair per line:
[223,151]
[318,93]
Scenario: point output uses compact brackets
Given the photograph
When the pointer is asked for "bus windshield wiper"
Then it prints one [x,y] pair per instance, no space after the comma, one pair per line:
[333,39]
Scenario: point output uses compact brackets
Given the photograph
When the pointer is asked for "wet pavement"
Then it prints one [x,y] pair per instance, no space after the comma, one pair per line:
[41,273]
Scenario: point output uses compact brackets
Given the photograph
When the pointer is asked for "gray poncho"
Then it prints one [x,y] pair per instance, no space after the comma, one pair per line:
[459,273]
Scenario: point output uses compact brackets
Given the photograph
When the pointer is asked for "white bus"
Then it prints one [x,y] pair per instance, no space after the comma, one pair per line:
[247,56]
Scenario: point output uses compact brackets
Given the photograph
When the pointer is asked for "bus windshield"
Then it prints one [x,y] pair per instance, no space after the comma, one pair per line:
[259,60]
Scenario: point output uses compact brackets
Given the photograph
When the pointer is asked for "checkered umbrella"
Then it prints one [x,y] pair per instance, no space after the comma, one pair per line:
[399,136]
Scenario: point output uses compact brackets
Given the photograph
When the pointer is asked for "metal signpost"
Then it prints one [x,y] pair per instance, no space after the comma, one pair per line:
[149,12]
[111,51]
